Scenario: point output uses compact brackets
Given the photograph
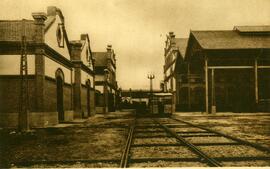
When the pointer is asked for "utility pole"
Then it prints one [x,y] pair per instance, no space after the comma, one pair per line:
[23,120]
[151,77]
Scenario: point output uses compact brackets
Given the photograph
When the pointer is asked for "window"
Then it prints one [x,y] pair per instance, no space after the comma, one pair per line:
[59,35]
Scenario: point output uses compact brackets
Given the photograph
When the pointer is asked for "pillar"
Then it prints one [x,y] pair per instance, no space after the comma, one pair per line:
[76,60]
[213,101]
[39,61]
[188,79]
[206,84]
[256,82]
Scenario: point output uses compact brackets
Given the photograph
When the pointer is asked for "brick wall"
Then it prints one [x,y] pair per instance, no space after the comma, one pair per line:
[84,101]
[50,96]
[10,92]
[92,102]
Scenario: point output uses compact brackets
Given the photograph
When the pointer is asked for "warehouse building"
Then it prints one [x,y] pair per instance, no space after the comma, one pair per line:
[228,70]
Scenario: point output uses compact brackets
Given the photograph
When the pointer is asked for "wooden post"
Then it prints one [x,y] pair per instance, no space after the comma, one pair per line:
[213,104]
[188,78]
[206,85]
[256,81]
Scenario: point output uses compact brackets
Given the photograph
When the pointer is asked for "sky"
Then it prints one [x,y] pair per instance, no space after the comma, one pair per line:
[137,29]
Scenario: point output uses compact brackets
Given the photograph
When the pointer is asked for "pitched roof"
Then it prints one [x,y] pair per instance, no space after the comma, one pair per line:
[100,58]
[48,22]
[181,44]
[230,40]
[253,29]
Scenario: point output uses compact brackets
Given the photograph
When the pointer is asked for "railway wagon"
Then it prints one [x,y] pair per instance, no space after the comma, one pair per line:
[161,104]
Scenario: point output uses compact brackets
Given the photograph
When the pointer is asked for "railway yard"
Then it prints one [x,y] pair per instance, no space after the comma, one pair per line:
[119,139]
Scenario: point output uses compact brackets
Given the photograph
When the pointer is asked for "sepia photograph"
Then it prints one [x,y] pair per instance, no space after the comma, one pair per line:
[134,83]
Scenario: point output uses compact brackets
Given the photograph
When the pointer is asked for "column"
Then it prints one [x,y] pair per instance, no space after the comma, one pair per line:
[206,85]
[213,102]
[188,79]
[256,81]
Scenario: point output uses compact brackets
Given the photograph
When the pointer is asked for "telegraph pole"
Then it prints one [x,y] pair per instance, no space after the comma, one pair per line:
[151,77]
[23,121]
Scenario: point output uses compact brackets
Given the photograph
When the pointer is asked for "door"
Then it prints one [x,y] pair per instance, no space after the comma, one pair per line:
[88,99]
[60,105]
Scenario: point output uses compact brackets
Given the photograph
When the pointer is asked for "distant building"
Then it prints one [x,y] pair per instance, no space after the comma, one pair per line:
[227,70]
[137,95]
[174,53]
[84,84]
[105,80]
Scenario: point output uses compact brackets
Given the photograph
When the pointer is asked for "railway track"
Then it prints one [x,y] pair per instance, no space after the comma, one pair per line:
[170,142]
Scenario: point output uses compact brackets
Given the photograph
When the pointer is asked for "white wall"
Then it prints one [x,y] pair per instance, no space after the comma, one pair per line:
[51,39]
[10,64]
[85,76]
[99,78]
[99,88]
[51,66]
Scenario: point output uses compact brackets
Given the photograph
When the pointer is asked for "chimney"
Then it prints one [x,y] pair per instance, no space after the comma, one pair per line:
[171,34]
[39,18]
[51,10]
[75,50]
[83,36]
[109,48]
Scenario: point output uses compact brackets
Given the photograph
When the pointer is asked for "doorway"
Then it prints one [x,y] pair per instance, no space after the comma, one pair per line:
[88,98]
[59,93]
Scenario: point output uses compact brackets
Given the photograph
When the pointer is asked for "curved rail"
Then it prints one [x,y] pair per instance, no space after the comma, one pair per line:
[212,162]
[257,146]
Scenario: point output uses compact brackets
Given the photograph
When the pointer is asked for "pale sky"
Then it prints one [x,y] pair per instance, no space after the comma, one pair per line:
[137,28]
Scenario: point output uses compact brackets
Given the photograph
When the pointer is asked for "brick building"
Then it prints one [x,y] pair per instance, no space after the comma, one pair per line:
[105,80]
[50,70]
[227,70]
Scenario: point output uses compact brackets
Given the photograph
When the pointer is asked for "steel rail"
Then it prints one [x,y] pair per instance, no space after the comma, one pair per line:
[126,153]
[257,146]
[211,162]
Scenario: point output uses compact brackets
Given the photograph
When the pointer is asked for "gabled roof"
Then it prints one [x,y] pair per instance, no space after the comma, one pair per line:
[181,44]
[52,11]
[100,58]
[253,29]
[230,39]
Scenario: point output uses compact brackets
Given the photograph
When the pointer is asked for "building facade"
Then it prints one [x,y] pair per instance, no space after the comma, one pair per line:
[227,70]
[51,59]
[105,80]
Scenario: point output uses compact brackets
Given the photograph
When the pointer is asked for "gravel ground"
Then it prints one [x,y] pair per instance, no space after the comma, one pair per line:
[232,151]
[253,127]
[255,163]
[76,142]
[159,151]
[90,140]
[168,164]
[155,141]
[187,129]
[77,165]
[208,140]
